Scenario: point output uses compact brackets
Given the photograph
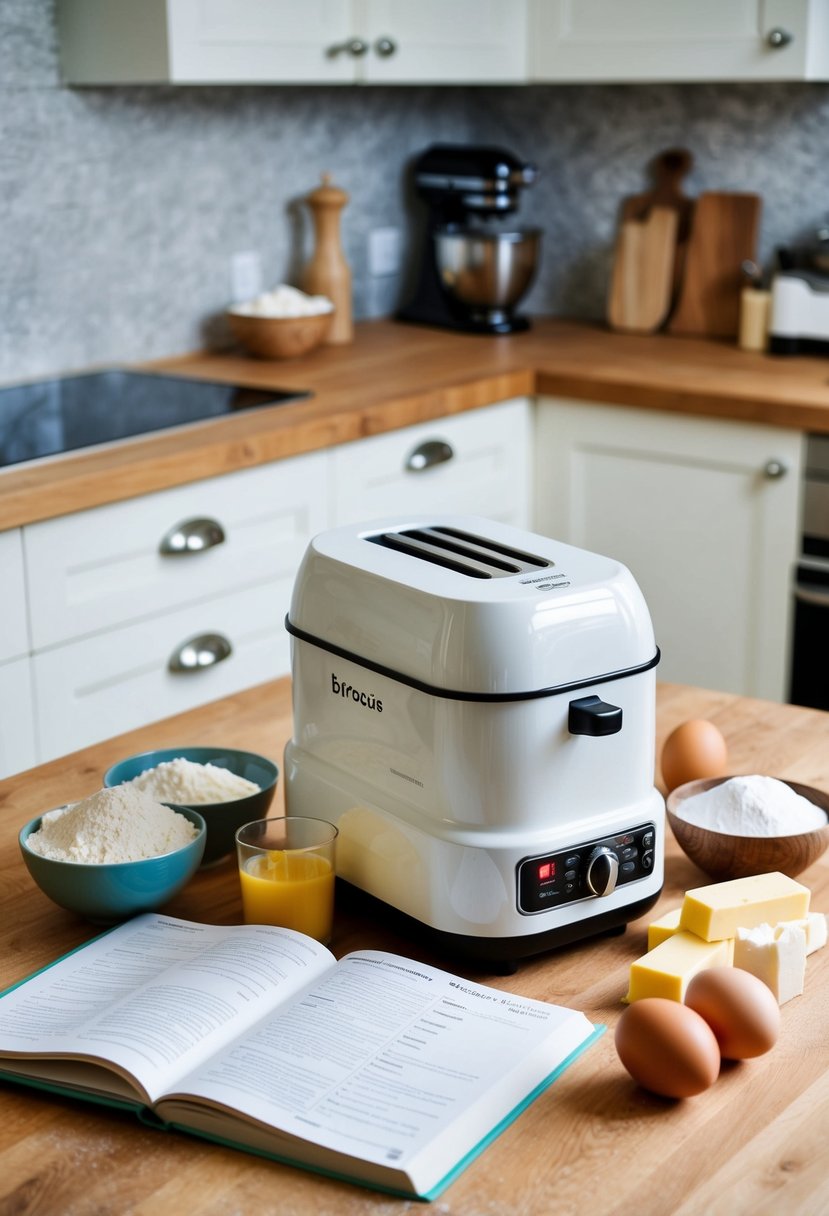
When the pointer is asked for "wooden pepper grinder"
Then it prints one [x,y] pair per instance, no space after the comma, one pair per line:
[328,273]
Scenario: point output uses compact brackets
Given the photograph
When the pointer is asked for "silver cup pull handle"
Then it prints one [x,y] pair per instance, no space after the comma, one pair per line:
[205,650]
[427,455]
[191,536]
[355,47]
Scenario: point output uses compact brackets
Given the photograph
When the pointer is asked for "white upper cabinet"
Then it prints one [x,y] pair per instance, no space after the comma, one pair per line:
[683,40]
[435,41]
[292,41]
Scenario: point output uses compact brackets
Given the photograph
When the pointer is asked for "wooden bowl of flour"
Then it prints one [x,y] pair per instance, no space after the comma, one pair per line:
[723,855]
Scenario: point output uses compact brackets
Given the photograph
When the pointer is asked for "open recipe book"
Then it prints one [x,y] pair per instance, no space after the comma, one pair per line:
[375,1068]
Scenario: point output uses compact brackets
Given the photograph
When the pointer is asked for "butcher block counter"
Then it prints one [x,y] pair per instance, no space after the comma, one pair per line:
[593,1142]
[395,375]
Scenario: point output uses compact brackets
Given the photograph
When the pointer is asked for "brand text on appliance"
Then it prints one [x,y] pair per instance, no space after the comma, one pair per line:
[368,699]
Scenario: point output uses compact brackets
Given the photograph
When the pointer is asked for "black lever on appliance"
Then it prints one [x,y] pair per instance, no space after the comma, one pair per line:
[592,716]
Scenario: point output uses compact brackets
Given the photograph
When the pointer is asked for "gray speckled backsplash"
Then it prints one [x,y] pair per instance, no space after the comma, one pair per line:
[122,207]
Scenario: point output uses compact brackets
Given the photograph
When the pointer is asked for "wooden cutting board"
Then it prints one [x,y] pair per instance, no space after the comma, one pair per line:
[723,235]
[647,265]
[641,287]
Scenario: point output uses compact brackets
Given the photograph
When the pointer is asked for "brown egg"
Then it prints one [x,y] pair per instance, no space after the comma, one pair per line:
[739,1008]
[667,1047]
[696,749]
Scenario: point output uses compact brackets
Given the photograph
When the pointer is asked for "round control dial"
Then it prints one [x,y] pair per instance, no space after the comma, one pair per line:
[602,871]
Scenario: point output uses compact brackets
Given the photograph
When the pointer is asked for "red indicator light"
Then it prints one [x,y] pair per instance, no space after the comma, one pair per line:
[546,871]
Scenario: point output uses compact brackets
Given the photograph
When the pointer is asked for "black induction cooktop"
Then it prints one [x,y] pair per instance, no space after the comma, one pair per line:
[46,417]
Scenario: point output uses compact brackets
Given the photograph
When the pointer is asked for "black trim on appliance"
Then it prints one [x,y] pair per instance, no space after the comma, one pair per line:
[779,345]
[504,953]
[456,695]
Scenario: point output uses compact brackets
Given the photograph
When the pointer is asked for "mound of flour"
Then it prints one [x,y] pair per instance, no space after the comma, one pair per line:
[119,824]
[192,784]
[752,806]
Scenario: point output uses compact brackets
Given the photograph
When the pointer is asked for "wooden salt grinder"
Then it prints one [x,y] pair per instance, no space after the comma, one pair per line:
[328,273]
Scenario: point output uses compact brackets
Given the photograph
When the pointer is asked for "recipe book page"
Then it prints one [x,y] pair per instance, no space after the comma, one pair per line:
[380,1056]
[156,997]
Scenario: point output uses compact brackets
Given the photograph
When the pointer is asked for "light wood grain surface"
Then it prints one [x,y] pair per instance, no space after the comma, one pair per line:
[754,1143]
[394,375]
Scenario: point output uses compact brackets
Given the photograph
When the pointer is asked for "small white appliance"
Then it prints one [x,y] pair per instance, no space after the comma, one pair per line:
[799,317]
[474,708]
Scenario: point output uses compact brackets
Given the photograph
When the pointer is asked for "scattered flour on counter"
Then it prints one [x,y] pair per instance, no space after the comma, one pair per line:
[192,784]
[119,824]
[752,806]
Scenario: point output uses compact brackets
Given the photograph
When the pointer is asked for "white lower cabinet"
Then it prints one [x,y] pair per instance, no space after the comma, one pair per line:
[475,463]
[123,678]
[14,632]
[705,514]
[96,569]
[151,606]
[17,722]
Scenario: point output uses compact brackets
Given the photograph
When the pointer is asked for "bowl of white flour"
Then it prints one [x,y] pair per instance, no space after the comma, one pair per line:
[114,854]
[735,826]
[228,787]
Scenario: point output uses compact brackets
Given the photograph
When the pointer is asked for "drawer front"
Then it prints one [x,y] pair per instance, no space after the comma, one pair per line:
[17,726]
[98,687]
[473,463]
[98,569]
[14,631]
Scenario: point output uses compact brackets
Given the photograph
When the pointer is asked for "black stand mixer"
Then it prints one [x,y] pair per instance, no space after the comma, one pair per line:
[472,272]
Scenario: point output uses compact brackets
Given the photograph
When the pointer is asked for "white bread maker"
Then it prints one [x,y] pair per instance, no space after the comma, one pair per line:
[474,708]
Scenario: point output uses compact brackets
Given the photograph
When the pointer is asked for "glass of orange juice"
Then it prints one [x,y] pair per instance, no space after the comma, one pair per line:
[286,868]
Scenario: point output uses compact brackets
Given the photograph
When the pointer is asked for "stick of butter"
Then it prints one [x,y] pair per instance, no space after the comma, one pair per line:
[664,927]
[718,911]
[666,970]
[777,956]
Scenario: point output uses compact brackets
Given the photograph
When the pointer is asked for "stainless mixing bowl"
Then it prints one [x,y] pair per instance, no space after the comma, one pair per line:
[487,271]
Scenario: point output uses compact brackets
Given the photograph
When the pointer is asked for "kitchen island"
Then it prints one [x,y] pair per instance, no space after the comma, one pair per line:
[755,1142]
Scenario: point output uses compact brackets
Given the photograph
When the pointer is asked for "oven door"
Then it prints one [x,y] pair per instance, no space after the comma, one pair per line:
[810,654]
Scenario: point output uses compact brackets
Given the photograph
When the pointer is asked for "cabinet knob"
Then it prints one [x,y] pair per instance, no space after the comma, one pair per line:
[191,536]
[427,455]
[778,38]
[384,47]
[773,470]
[195,654]
[355,47]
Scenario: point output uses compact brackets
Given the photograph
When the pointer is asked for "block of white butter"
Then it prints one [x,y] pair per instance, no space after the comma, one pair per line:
[776,955]
[667,969]
[814,926]
[718,911]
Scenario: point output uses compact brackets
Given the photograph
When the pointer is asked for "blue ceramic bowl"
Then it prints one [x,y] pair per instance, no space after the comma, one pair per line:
[108,892]
[223,819]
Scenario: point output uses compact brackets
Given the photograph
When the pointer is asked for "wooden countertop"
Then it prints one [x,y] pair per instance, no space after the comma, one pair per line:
[755,1142]
[394,375]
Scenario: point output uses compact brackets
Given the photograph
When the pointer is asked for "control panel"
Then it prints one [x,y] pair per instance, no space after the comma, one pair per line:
[595,868]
